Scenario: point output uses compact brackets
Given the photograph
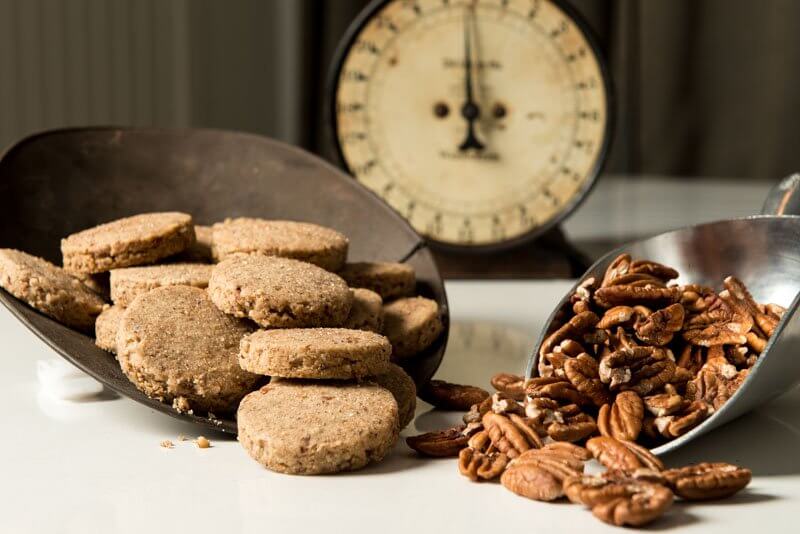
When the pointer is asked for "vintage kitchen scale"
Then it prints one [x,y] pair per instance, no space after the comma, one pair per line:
[483,122]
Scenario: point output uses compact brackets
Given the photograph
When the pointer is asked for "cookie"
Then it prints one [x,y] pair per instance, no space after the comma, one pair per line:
[315,353]
[308,242]
[49,289]
[396,380]
[389,280]
[176,346]
[137,240]
[314,428]
[366,312]
[411,324]
[105,328]
[130,282]
[279,292]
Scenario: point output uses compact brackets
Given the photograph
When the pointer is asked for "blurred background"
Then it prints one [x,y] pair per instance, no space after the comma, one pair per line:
[706,89]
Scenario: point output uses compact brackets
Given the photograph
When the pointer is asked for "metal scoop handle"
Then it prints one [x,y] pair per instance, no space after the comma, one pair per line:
[783,198]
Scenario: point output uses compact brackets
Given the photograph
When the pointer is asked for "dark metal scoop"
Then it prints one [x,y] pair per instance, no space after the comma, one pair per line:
[764,252]
[56,183]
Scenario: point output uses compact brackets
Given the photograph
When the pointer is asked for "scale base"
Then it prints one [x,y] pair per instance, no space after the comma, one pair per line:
[549,256]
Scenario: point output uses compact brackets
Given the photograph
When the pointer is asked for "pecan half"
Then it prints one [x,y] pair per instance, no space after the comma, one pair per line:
[448,396]
[539,473]
[503,404]
[442,443]
[619,267]
[477,465]
[656,297]
[572,329]
[622,454]
[623,418]
[672,426]
[619,500]
[476,411]
[510,384]
[666,403]
[652,268]
[558,389]
[716,382]
[737,290]
[660,327]
[510,434]
[639,369]
[707,480]
[583,373]
[573,428]
[618,315]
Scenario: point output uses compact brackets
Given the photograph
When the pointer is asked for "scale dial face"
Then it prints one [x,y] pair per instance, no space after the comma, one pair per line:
[480,121]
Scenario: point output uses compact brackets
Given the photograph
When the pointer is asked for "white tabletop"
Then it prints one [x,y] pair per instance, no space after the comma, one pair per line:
[96,466]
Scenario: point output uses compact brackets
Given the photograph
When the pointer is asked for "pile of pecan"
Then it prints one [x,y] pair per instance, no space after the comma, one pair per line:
[634,362]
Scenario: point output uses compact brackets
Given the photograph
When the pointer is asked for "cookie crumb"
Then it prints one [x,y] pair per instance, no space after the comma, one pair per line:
[181,437]
[167,444]
[211,416]
[181,405]
[202,443]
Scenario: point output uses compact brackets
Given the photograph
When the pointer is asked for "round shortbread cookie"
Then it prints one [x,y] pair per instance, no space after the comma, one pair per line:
[176,346]
[279,292]
[366,312]
[402,387]
[49,289]
[308,428]
[130,282]
[106,326]
[389,280]
[411,324]
[307,242]
[337,353]
[137,240]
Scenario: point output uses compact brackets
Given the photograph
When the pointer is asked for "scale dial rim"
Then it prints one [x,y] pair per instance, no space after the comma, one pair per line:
[331,87]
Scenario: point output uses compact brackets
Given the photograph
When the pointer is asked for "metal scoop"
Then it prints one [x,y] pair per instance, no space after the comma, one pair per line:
[764,252]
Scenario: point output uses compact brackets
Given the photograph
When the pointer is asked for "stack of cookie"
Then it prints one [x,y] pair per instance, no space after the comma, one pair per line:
[280,301]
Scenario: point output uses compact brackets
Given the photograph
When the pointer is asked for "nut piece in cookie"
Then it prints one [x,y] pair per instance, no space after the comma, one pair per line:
[137,240]
[307,242]
[309,428]
[176,346]
[279,292]
[396,380]
[49,289]
[336,353]
[106,326]
[366,312]
[411,324]
[389,280]
[130,282]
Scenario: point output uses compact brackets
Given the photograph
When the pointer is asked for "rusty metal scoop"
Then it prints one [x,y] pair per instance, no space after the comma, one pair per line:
[764,252]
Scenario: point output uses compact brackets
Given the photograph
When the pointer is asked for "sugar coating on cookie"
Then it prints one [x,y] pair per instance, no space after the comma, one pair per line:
[176,346]
[279,292]
[396,380]
[49,289]
[308,242]
[309,428]
[333,353]
[130,282]
[411,324]
[366,312]
[137,240]
[106,326]
[389,280]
